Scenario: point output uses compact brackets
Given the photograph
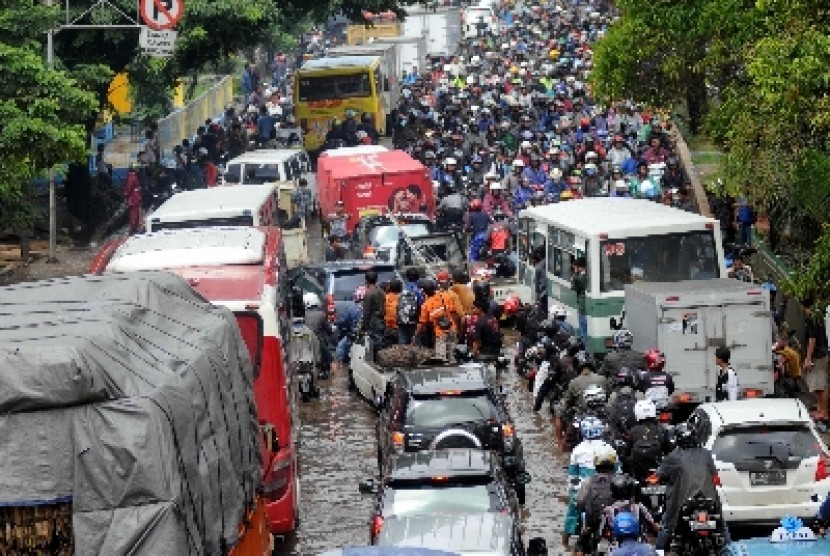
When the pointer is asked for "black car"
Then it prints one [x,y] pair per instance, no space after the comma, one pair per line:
[335,282]
[453,481]
[449,407]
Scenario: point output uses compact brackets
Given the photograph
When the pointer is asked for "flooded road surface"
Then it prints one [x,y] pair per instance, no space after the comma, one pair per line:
[338,450]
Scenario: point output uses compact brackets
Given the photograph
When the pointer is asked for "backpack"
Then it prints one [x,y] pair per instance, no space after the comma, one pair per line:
[599,497]
[408,308]
[623,410]
[645,446]
[498,238]
[470,322]
[490,334]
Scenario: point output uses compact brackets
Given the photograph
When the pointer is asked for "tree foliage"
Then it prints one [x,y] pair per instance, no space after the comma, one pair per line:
[42,111]
[761,69]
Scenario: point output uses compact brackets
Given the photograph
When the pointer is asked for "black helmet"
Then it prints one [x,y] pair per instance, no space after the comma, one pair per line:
[622,487]
[428,286]
[550,327]
[583,360]
[686,436]
[624,377]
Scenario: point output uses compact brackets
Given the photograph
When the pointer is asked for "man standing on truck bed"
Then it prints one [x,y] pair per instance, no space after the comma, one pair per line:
[374,309]
[815,359]
[727,388]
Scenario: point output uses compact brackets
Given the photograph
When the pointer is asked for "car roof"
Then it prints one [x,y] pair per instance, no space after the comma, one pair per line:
[434,380]
[757,410]
[488,533]
[352,264]
[386,551]
[456,462]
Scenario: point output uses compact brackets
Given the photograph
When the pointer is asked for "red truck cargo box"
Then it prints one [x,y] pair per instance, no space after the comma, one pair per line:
[376,183]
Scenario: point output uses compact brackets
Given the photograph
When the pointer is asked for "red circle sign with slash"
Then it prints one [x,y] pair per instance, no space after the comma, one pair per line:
[161,14]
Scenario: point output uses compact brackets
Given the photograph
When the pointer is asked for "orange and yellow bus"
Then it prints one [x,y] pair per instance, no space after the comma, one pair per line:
[326,87]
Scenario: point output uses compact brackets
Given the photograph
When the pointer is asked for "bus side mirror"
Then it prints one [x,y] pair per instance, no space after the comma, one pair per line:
[613,323]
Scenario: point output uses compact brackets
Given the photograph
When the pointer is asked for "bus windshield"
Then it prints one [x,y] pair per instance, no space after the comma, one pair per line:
[332,87]
[661,258]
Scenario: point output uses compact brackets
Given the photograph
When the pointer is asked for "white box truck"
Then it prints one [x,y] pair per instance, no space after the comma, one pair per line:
[442,27]
[688,320]
[412,52]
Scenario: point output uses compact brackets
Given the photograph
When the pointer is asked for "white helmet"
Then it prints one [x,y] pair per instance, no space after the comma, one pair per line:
[605,456]
[518,163]
[311,300]
[556,173]
[558,311]
[594,395]
[496,186]
[645,409]
[450,161]
[491,176]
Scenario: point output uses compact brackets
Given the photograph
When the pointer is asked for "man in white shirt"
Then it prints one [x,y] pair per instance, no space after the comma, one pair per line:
[727,385]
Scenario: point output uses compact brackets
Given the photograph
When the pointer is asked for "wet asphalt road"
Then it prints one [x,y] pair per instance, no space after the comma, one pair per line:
[338,450]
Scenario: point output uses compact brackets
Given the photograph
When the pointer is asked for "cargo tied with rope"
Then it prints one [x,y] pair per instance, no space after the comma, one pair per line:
[402,356]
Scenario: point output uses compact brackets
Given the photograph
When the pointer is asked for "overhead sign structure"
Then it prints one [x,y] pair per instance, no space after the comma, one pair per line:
[159,44]
[161,15]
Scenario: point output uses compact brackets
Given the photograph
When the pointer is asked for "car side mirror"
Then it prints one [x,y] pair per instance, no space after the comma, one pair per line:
[367,486]
[523,478]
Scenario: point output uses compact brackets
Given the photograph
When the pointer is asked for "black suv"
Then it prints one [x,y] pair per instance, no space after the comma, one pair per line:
[449,407]
[453,481]
[335,282]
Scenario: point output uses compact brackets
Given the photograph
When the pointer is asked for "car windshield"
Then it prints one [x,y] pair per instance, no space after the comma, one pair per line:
[345,283]
[663,258]
[745,444]
[430,501]
[333,87]
[389,234]
[446,411]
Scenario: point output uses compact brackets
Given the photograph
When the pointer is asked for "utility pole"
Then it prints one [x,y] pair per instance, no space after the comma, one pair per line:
[53,203]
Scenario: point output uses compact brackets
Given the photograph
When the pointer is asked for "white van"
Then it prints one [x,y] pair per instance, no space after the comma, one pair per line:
[265,166]
[239,205]
[478,14]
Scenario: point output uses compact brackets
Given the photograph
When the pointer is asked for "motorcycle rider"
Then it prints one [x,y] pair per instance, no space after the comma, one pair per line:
[317,320]
[623,355]
[450,178]
[623,493]
[687,471]
[656,383]
[595,495]
[338,222]
[649,441]
[451,209]
[582,465]
[626,530]
[622,405]
[348,325]
[494,201]
[575,396]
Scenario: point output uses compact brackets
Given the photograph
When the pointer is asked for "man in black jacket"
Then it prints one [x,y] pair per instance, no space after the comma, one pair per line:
[374,310]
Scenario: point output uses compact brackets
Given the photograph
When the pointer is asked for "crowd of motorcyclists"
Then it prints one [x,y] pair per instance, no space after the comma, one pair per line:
[506,123]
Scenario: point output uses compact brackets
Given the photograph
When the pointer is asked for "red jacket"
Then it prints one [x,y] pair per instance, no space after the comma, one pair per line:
[132,189]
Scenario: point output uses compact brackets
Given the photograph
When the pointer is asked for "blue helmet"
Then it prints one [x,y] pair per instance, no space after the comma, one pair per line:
[591,428]
[625,526]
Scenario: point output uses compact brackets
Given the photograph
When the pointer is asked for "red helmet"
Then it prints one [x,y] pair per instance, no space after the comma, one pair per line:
[359,293]
[654,359]
[476,204]
[511,305]
[584,122]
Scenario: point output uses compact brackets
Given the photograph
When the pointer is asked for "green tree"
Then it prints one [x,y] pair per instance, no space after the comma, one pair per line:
[42,111]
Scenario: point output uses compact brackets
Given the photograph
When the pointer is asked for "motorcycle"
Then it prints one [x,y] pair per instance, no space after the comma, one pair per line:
[651,493]
[306,381]
[699,529]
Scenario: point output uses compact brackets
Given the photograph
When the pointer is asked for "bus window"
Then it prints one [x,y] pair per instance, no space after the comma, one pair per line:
[233,173]
[332,87]
[251,328]
[664,258]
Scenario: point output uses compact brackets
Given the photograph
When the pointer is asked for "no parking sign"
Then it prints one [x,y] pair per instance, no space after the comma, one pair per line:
[161,15]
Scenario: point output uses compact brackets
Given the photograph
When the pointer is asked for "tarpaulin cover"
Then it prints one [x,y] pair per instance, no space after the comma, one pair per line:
[131,396]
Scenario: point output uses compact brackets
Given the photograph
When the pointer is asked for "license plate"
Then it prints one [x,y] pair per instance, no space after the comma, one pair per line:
[768,478]
[653,490]
[702,525]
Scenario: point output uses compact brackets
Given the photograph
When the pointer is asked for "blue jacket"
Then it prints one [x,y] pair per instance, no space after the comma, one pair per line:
[413,287]
[351,320]
[824,510]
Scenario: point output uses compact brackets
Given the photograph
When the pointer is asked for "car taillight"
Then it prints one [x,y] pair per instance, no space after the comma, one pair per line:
[821,468]
[398,441]
[753,393]
[330,310]
[716,480]
[653,479]
[277,479]
[377,525]
[665,417]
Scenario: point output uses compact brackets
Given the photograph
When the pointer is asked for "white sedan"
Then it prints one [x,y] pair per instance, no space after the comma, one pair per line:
[769,456]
